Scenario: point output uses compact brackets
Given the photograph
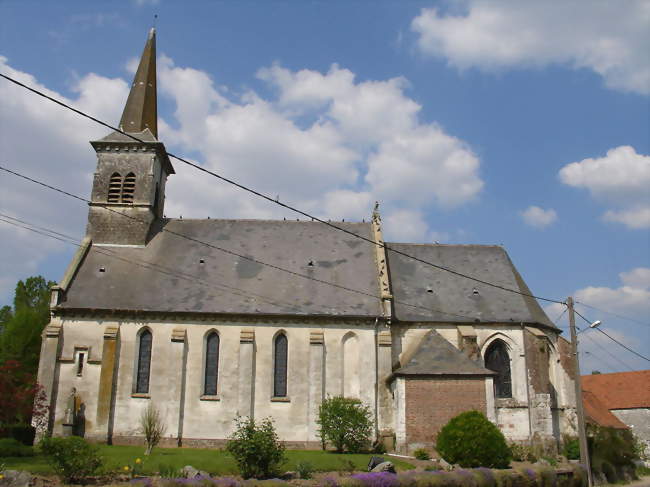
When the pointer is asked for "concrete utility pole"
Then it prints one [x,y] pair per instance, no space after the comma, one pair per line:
[582,433]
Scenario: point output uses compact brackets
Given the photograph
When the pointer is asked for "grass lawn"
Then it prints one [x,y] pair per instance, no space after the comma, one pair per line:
[212,461]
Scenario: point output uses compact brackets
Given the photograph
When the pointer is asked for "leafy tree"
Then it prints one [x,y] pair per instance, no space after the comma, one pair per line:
[345,422]
[21,327]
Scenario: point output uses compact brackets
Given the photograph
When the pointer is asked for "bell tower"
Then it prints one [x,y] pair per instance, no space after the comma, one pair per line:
[128,192]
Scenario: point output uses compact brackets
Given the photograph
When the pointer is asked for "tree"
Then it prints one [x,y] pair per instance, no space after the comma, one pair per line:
[22,327]
[345,422]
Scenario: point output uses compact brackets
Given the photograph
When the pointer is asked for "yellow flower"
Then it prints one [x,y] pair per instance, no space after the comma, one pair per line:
[137,460]
[1,476]
[126,468]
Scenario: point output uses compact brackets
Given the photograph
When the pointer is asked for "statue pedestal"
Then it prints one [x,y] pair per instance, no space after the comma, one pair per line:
[67,429]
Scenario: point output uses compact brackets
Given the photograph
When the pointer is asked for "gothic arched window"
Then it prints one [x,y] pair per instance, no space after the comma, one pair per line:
[128,188]
[498,360]
[144,362]
[114,188]
[211,364]
[280,366]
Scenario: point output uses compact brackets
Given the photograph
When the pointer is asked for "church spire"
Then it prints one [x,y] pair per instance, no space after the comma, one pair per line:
[141,110]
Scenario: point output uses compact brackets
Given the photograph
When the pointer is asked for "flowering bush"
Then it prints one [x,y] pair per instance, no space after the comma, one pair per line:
[377,479]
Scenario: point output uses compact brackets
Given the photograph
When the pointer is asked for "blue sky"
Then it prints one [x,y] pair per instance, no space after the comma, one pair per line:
[471,121]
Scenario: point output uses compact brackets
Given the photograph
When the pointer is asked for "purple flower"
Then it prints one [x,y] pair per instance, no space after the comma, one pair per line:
[329,481]
[377,479]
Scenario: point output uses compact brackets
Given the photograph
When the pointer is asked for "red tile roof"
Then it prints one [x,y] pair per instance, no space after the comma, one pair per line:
[596,412]
[621,390]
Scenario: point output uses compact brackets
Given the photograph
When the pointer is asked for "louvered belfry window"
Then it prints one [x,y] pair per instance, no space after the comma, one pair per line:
[115,188]
[144,362]
[498,360]
[280,366]
[211,364]
[128,188]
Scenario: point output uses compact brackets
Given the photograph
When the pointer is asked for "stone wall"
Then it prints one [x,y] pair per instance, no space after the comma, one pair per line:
[638,420]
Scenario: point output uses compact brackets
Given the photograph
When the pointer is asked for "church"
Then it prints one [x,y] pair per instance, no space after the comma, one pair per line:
[211,319]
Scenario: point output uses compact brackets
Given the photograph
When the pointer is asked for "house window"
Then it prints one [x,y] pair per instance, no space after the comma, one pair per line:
[128,188]
[144,362]
[498,360]
[115,188]
[280,366]
[211,364]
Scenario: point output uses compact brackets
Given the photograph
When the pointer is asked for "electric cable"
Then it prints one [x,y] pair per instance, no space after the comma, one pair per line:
[623,317]
[611,338]
[276,201]
[608,352]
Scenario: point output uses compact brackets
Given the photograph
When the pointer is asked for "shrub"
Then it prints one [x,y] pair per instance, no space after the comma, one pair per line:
[152,427]
[10,447]
[522,453]
[571,448]
[256,448]
[377,479]
[345,422]
[72,458]
[305,470]
[471,440]
[421,454]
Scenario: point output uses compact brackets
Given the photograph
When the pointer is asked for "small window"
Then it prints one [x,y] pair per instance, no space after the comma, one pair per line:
[80,363]
[144,362]
[211,364]
[280,366]
[128,188]
[498,360]
[115,188]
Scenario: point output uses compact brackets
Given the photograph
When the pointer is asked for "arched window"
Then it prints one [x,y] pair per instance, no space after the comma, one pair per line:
[144,362]
[128,188]
[114,188]
[498,360]
[211,364]
[280,366]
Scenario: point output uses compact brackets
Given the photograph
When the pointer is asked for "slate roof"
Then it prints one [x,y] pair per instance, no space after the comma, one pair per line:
[620,390]
[230,284]
[444,295]
[436,356]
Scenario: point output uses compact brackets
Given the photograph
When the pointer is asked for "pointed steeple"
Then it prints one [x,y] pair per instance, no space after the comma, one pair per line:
[141,110]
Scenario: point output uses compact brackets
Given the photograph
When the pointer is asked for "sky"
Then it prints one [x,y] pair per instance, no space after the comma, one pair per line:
[518,123]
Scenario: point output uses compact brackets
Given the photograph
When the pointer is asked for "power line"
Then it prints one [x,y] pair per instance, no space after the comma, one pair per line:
[611,338]
[613,314]
[252,259]
[608,352]
[276,201]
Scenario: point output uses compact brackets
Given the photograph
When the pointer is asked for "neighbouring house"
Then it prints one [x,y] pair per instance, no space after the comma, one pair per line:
[619,400]
[210,319]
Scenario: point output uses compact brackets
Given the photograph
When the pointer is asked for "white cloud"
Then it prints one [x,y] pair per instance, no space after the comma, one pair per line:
[620,178]
[609,38]
[326,143]
[538,217]
[45,141]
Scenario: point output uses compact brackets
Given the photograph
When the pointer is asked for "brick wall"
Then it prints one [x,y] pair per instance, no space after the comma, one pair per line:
[432,402]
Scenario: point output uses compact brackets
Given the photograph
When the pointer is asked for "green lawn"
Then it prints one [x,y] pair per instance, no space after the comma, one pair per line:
[213,461]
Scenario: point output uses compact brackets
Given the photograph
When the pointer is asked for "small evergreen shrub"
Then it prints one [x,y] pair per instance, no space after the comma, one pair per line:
[421,454]
[346,423]
[24,433]
[471,440]
[9,447]
[256,448]
[72,458]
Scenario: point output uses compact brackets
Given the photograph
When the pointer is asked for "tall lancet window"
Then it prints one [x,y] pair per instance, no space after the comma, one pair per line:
[128,188]
[144,362]
[498,360]
[280,366]
[114,188]
[211,364]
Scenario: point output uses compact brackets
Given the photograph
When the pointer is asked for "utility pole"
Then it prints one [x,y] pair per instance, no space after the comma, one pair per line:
[582,433]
